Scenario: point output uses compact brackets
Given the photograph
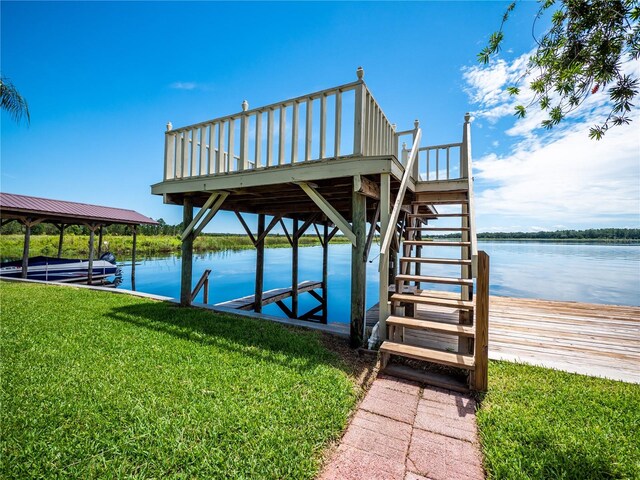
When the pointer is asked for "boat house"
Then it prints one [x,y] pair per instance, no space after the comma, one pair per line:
[332,161]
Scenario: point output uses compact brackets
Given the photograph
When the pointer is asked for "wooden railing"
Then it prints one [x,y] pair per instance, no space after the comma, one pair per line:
[349,121]
[202,283]
[440,162]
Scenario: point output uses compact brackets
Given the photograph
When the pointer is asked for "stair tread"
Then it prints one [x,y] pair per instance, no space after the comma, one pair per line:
[429,355]
[444,302]
[446,261]
[432,279]
[437,244]
[419,324]
[428,378]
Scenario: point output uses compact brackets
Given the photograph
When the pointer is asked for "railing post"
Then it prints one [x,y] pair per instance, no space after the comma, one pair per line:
[244,138]
[416,164]
[359,109]
[465,152]
[482,324]
[169,152]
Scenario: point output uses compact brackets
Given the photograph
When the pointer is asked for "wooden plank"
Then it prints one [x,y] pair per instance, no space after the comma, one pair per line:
[384,263]
[294,269]
[366,187]
[294,132]
[203,151]
[244,143]
[212,198]
[258,150]
[270,296]
[432,279]
[308,130]
[211,160]
[25,250]
[482,324]
[323,126]
[443,261]
[220,165]
[427,300]
[211,213]
[452,329]
[325,271]
[282,138]
[246,227]
[429,355]
[430,243]
[230,145]
[92,233]
[270,136]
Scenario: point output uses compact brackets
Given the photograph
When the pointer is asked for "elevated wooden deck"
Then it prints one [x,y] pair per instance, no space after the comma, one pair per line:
[590,339]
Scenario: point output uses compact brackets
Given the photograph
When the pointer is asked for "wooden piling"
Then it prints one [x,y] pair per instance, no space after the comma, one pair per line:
[100,241]
[62,228]
[259,265]
[325,271]
[294,269]
[482,324]
[92,234]
[134,231]
[25,249]
[187,254]
[358,271]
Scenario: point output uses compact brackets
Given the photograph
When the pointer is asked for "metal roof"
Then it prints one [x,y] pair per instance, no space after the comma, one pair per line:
[22,206]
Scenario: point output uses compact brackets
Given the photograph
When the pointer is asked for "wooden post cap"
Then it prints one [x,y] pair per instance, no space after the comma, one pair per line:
[245,105]
[416,123]
[360,73]
[467,117]
[169,126]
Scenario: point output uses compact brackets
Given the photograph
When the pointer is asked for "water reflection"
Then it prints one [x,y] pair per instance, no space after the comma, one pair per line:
[553,271]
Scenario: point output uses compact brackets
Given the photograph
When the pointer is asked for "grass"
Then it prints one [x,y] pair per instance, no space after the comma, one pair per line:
[78,245]
[99,385]
[537,423]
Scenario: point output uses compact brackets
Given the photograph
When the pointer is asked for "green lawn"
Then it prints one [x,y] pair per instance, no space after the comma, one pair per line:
[537,423]
[98,385]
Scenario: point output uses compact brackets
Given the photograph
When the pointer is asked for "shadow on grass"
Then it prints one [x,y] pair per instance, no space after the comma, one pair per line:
[260,339]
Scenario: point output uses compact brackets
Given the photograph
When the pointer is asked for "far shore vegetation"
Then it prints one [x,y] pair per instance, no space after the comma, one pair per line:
[164,239]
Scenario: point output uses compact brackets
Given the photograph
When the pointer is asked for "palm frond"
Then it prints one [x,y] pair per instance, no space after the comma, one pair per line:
[12,102]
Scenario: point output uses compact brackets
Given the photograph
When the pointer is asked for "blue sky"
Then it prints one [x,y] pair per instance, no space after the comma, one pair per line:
[102,79]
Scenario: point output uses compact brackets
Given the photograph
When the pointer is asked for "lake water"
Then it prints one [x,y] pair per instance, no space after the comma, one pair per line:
[596,273]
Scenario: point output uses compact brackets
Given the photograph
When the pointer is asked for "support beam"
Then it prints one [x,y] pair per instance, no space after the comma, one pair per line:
[294,269]
[482,324]
[259,265]
[329,211]
[25,248]
[358,270]
[261,236]
[100,241]
[286,232]
[372,231]
[187,254]
[212,211]
[212,198]
[62,227]
[383,294]
[246,227]
[92,236]
[133,256]
[325,271]
[366,187]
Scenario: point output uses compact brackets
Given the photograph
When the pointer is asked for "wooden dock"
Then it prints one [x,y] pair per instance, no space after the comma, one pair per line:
[275,295]
[590,339]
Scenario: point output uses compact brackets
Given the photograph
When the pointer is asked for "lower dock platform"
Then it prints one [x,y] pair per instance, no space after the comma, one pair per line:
[589,339]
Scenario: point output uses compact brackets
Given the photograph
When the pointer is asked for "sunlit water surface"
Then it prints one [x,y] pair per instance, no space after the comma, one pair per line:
[596,273]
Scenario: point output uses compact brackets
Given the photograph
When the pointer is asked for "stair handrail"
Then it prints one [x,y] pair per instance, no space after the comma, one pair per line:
[397,206]
[203,282]
[467,171]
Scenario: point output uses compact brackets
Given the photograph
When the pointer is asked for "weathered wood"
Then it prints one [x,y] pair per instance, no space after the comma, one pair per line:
[246,227]
[134,248]
[259,286]
[25,249]
[294,269]
[330,211]
[100,241]
[383,295]
[187,254]
[366,187]
[325,271]
[274,221]
[372,231]
[212,198]
[482,324]
[62,227]
[203,282]
[92,233]
[212,211]
[358,270]
[270,296]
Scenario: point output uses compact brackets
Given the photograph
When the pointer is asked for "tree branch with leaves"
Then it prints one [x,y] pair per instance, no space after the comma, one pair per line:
[583,53]
[12,102]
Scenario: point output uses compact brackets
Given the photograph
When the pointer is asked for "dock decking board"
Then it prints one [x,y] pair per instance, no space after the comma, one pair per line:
[590,339]
[270,296]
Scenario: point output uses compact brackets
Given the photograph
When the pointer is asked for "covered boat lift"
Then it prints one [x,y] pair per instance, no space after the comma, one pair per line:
[31,211]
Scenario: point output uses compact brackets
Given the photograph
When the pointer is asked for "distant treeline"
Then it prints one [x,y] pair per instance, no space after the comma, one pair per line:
[590,234]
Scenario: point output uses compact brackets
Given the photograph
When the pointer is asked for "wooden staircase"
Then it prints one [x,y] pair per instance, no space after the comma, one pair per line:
[432,307]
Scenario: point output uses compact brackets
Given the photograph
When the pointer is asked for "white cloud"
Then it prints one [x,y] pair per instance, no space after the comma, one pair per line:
[184,85]
[556,177]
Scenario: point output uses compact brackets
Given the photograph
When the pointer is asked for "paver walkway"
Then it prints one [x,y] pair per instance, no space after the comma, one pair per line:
[402,431]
